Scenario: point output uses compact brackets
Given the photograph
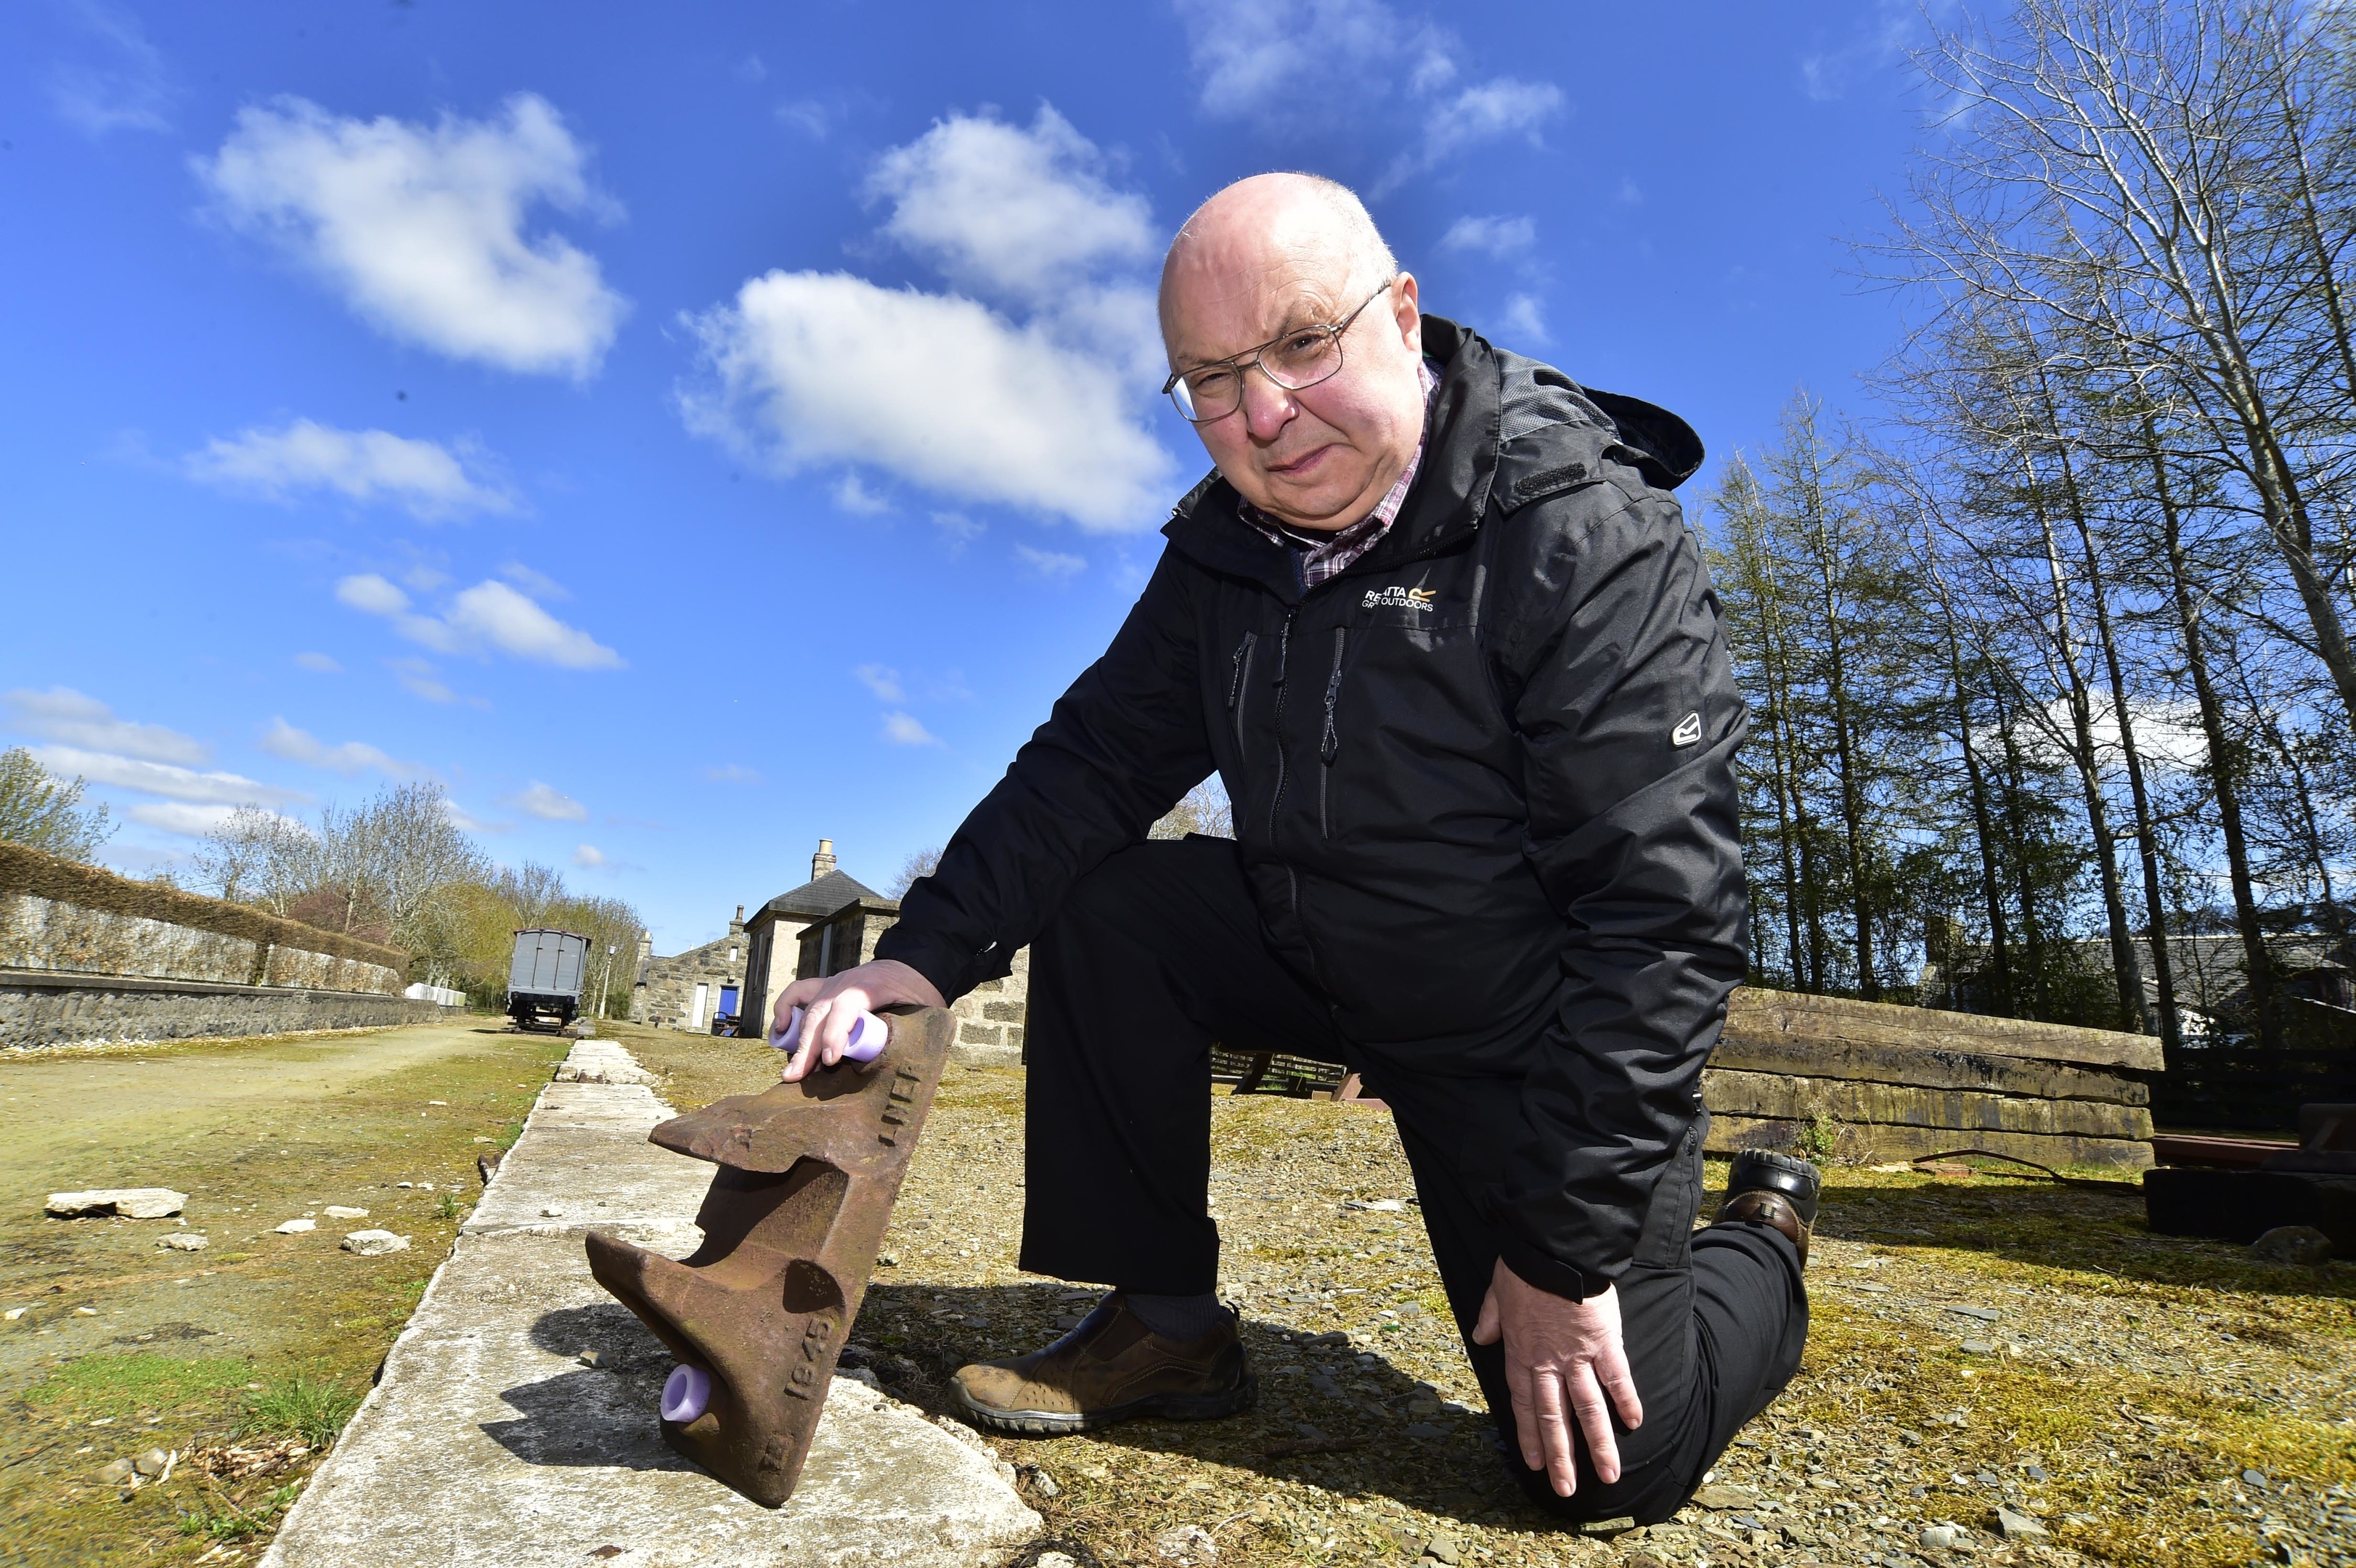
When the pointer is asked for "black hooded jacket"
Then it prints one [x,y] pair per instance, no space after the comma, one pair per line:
[1483,782]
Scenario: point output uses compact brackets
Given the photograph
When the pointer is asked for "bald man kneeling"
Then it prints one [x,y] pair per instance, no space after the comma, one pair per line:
[1438,624]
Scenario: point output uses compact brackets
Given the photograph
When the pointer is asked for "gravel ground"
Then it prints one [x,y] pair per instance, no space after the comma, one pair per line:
[1977,1343]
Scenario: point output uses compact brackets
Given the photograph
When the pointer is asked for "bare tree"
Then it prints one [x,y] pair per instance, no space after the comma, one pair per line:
[2167,182]
[1204,810]
[917,867]
[256,856]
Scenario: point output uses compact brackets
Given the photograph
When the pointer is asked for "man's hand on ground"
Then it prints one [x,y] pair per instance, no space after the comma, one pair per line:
[1562,1358]
[833,1005]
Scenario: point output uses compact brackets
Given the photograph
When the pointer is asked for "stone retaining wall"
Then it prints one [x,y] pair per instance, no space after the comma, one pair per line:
[1891,1083]
[60,915]
[43,1010]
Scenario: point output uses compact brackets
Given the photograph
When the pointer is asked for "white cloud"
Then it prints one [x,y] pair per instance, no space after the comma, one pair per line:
[350,758]
[177,817]
[852,494]
[1053,565]
[162,778]
[129,92]
[1012,213]
[1630,194]
[1880,40]
[490,615]
[815,368]
[903,730]
[467,822]
[1525,317]
[421,228]
[548,804]
[317,664]
[883,680]
[423,476]
[731,773]
[494,614]
[958,529]
[1497,237]
[1504,106]
[64,714]
[1252,58]
[371,594]
[537,585]
[588,855]
[417,679]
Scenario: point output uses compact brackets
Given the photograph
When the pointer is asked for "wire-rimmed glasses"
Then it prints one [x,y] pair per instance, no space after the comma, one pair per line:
[1300,357]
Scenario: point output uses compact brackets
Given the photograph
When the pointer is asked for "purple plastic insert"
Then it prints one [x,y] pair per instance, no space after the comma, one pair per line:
[869,1035]
[686,1393]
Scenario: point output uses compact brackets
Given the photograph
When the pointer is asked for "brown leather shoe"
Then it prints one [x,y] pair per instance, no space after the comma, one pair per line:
[1111,1368]
[1777,1190]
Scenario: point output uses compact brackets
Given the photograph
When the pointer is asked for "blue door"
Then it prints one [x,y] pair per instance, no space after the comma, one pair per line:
[728,1000]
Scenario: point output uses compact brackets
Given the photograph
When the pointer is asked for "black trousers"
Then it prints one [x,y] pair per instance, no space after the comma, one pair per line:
[1158,953]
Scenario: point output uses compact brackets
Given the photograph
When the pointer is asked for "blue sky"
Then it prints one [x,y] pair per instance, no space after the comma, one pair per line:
[688,431]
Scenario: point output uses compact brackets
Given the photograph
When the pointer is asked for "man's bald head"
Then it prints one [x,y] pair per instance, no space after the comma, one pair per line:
[1304,224]
[1268,259]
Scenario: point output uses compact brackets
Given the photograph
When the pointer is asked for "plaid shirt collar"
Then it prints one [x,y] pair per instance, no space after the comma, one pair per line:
[1316,556]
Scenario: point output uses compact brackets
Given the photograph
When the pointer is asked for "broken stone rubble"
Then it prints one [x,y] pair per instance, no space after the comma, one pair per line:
[124,1202]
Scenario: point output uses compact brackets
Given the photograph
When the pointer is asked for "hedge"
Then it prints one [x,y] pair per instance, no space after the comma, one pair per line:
[30,871]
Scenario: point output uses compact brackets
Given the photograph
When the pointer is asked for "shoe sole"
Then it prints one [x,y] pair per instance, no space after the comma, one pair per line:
[1056,1423]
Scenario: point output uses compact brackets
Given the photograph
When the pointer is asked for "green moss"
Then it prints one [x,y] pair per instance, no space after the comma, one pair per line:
[95,1387]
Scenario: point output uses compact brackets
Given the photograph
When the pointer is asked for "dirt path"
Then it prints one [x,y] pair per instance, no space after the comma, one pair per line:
[129,1103]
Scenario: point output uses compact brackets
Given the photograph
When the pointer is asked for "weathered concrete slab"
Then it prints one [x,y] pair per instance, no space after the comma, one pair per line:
[492,1439]
[584,1152]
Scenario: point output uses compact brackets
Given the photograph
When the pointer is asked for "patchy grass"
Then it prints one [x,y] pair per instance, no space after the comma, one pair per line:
[259,1331]
[308,1405]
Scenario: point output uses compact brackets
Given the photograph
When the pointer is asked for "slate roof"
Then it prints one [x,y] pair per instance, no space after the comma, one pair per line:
[823,897]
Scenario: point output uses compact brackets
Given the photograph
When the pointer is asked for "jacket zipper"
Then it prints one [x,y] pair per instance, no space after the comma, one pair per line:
[1283,647]
[1236,689]
[1330,743]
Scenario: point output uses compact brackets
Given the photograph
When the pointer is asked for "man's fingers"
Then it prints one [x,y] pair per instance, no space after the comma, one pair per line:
[1488,1329]
[805,1048]
[1520,1388]
[1595,1420]
[1620,1384]
[1554,1431]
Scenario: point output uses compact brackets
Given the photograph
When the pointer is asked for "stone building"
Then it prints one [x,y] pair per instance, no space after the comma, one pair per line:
[772,936]
[831,923]
[689,989]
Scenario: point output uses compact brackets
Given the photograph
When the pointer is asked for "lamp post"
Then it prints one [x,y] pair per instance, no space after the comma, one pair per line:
[604,979]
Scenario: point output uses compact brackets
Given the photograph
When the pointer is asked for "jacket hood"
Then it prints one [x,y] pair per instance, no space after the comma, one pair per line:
[1461,444]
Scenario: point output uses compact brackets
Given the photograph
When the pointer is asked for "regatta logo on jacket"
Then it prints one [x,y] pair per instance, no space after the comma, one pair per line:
[1397,598]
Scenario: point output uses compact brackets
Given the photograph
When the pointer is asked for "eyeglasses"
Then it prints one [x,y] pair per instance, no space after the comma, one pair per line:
[1300,357]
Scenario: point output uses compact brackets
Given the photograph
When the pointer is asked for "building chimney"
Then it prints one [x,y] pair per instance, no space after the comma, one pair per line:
[736,926]
[822,863]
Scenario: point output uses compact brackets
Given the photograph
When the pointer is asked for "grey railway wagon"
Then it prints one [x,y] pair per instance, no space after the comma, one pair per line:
[545,977]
